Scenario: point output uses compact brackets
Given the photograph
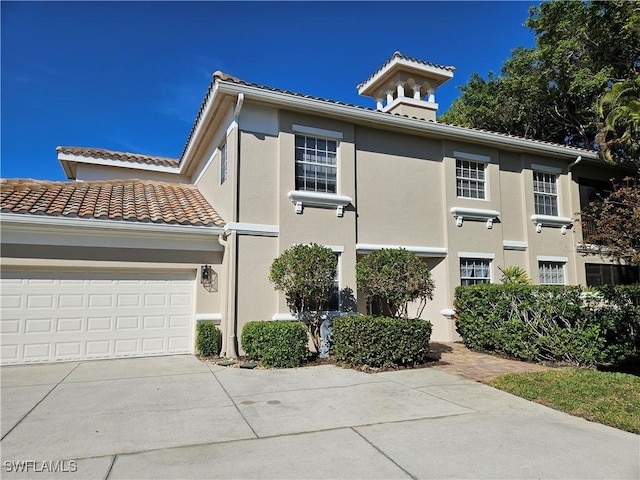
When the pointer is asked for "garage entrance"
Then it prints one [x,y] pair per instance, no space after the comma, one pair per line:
[50,316]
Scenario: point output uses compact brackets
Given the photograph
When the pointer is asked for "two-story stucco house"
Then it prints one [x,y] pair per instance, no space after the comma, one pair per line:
[125,258]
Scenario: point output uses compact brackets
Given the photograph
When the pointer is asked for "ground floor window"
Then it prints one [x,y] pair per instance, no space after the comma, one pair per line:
[551,273]
[608,274]
[474,271]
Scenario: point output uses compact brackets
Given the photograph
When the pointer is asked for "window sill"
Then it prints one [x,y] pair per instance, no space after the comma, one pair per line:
[552,221]
[301,199]
[481,214]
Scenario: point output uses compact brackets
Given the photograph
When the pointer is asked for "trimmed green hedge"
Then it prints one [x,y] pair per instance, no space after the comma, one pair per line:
[619,314]
[361,340]
[550,323]
[208,338]
[276,343]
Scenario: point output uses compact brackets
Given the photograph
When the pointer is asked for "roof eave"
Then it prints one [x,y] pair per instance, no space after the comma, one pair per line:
[69,164]
[369,86]
[406,124]
[121,225]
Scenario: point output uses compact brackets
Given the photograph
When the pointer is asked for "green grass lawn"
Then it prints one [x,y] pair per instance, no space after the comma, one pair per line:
[608,398]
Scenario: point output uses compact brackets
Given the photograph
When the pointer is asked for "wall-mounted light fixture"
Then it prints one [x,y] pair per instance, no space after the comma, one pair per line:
[206,275]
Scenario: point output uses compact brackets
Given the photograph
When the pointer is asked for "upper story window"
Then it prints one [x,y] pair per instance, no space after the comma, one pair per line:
[223,163]
[470,179]
[316,164]
[551,273]
[474,271]
[545,192]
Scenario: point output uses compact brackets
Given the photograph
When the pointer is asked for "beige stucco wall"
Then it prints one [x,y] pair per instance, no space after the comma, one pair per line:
[88,172]
[259,176]
[256,298]
[206,174]
[400,189]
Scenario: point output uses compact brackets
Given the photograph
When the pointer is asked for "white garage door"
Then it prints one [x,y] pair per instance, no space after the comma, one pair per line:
[65,315]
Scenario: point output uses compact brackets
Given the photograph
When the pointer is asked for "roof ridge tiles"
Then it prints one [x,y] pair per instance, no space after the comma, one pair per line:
[142,201]
[93,152]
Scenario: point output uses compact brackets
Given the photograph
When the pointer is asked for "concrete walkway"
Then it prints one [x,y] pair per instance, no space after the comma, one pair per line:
[176,417]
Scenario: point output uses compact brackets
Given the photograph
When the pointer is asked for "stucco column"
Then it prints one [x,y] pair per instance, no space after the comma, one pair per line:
[416,92]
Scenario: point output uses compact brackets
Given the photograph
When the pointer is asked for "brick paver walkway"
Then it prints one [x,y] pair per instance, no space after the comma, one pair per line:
[457,359]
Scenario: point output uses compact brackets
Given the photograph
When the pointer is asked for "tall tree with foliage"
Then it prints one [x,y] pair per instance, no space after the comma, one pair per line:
[393,278]
[551,91]
[305,274]
[614,224]
[619,110]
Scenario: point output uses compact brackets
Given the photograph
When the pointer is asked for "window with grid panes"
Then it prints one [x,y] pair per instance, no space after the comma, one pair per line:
[551,273]
[316,164]
[470,179]
[223,163]
[545,192]
[474,271]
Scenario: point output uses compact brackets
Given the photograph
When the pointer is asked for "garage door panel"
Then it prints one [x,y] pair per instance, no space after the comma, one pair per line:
[56,316]
[38,325]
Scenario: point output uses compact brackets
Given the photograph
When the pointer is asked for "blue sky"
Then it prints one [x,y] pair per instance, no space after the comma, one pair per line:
[130,76]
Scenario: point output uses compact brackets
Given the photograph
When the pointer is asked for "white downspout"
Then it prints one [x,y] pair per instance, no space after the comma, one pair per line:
[224,308]
[570,171]
[229,347]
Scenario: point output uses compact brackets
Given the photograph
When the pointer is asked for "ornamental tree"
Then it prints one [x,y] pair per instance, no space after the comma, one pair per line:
[613,224]
[393,278]
[305,274]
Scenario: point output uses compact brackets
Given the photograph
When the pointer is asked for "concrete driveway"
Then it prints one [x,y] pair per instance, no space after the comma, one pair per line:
[176,417]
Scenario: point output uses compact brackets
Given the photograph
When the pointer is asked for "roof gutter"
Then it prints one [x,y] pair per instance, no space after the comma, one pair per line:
[140,227]
[407,124]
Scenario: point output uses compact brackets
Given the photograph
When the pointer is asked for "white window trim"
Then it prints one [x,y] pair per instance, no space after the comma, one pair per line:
[479,255]
[552,171]
[302,198]
[546,169]
[299,207]
[224,152]
[470,157]
[560,262]
[481,214]
[514,245]
[476,256]
[364,248]
[546,258]
[321,132]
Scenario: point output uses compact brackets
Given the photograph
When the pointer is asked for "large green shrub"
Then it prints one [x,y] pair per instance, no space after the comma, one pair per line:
[208,338]
[619,313]
[547,323]
[393,278]
[380,341]
[277,344]
[305,274]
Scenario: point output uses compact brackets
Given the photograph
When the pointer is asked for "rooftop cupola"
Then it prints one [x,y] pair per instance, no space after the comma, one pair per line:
[407,86]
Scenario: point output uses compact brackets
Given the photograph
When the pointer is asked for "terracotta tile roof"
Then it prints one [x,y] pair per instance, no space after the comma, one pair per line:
[411,59]
[121,156]
[125,200]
